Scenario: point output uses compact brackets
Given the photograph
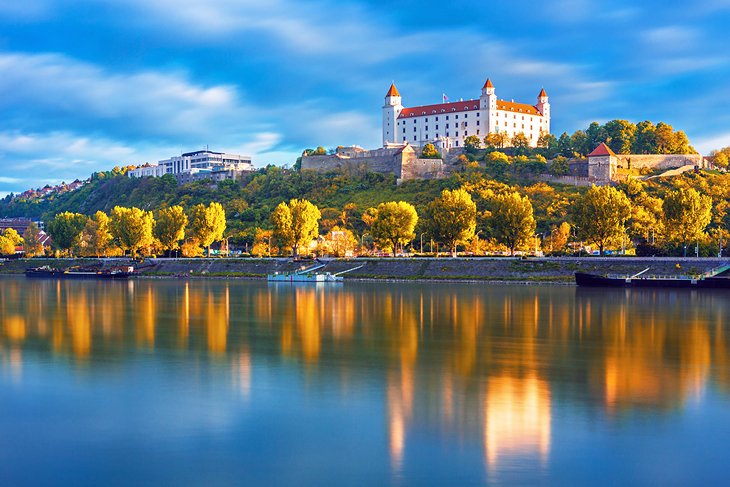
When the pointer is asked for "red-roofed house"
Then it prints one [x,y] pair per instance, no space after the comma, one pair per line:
[448,124]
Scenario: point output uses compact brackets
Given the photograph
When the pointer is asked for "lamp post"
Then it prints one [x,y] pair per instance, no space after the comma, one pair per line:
[422,243]
[361,240]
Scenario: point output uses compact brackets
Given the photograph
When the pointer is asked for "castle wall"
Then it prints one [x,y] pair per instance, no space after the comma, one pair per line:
[422,169]
[659,161]
[385,164]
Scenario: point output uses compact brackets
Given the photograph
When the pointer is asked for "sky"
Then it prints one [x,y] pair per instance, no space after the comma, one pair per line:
[86,85]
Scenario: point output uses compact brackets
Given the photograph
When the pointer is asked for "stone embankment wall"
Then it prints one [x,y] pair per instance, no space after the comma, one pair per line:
[555,270]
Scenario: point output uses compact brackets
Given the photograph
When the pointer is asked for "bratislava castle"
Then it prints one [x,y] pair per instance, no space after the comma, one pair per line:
[447,124]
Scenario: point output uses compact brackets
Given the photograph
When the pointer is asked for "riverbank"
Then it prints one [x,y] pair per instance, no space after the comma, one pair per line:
[498,269]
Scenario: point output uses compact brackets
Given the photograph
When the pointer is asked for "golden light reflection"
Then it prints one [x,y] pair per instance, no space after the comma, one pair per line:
[516,417]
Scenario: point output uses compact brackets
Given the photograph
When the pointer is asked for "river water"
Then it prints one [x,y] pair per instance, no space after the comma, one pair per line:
[239,382]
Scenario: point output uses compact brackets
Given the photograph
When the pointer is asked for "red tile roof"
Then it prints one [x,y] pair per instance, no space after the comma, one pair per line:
[463,106]
[542,93]
[511,106]
[488,84]
[445,108]
[393,91]
[602,150]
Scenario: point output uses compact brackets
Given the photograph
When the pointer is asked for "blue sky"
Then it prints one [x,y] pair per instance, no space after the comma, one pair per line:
[86,85]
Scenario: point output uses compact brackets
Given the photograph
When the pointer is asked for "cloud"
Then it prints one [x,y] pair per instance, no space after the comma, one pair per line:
[713,142]
[147,103]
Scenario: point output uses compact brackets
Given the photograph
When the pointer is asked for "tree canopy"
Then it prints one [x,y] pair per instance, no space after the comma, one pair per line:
[600,215]
[512,222]
[393,223]
[686,215]
[131,228]
[452,218]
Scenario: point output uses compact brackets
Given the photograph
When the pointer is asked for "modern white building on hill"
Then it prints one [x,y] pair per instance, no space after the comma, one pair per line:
[448,124]
[202,161]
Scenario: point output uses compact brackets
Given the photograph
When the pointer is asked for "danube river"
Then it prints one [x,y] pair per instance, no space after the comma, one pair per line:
[240,382]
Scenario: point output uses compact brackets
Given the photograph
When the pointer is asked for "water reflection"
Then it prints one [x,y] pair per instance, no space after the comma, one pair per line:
[478,364]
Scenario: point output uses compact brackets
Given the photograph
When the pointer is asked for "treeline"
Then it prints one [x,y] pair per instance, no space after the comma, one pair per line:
[622,136]
[132,231]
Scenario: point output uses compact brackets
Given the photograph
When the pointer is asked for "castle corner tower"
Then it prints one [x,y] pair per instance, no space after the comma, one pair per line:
[391,110]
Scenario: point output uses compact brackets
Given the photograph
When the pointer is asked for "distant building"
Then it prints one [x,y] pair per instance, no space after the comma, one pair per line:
[20,224]
[203,161]
[448,124]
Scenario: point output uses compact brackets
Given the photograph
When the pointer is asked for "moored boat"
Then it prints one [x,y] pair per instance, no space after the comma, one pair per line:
[709,280]
[308,275]
[117,272]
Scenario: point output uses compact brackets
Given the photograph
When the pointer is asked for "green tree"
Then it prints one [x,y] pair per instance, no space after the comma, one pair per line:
[32,244]
[96,236]
[512,222]
[520,144]
[579,144]
[452,218]
[65,230]
[559,166]
[472,143]
[319,151]
[429,152]
[207,224]
[600,215]
[686,214]
[645,138]
[170,227]
[295,224]
[393,223]
[131,228]
[621,134]
[595,134]
[565,145]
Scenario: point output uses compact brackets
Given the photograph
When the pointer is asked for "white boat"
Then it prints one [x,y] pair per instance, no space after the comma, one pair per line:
[307,275]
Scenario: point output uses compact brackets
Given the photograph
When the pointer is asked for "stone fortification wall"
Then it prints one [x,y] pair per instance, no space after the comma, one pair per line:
[659,161]
[385,164]
[422,169]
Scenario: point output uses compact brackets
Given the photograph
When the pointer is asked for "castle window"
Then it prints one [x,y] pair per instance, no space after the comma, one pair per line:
[466,133]
[437,119]
[442,110]
[456,143]
[447,134]
[447,125]
[477,131]
[404,130]
[466,124]
[456,117]
[437,136]
[477,114]
[477,123]
[426,128]
[426,119]
[456,134]
[437,127]
[414,129]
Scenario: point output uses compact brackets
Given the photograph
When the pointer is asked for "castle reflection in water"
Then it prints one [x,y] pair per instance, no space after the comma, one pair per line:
[471,363]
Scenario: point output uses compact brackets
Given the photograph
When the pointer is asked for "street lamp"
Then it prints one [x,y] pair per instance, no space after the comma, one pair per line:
[422,243]
[361,240]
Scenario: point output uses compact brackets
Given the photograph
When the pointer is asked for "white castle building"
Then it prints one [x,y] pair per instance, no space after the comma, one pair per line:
[447,124]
